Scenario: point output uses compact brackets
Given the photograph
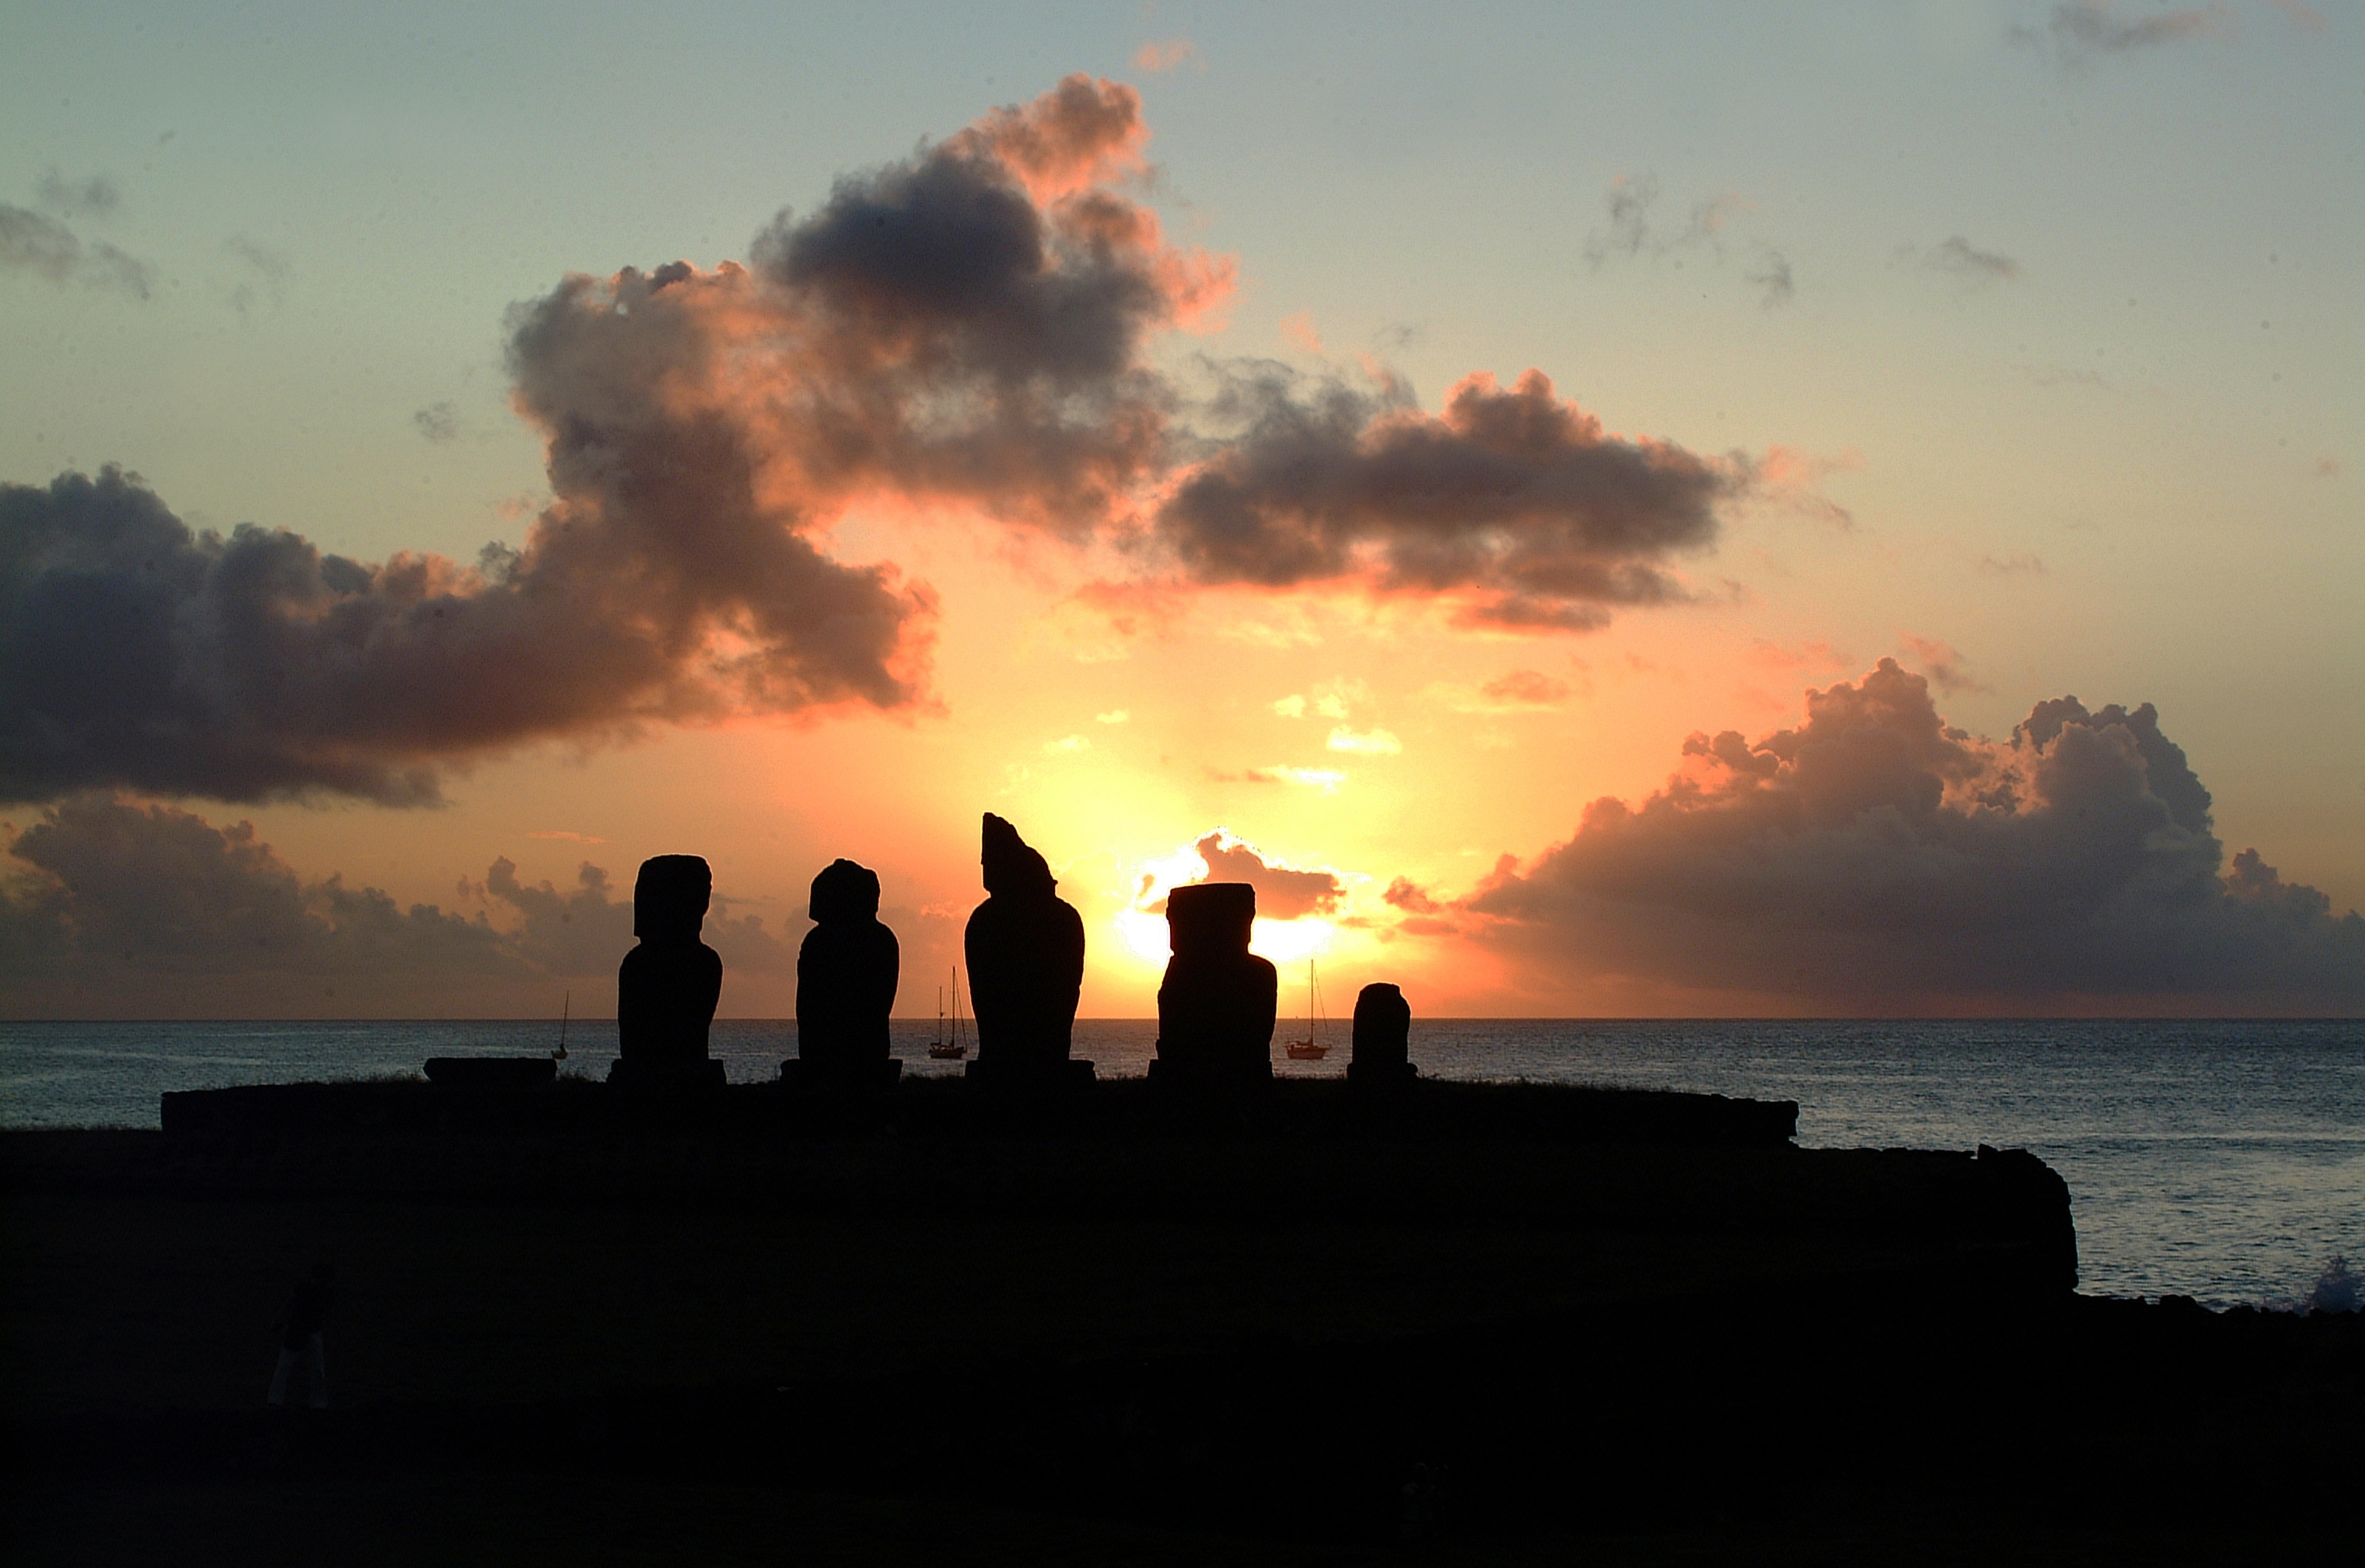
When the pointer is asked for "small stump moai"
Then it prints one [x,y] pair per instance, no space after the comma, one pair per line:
[1216,1004]
[668,986]
[1383,1059]
[847,972]
[1026,951]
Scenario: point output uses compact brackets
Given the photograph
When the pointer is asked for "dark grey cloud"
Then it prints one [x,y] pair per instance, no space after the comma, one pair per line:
[1514,499]
[93,196]
[1876,858]
[135,652]
[40,246]
[438,421]
[122,907]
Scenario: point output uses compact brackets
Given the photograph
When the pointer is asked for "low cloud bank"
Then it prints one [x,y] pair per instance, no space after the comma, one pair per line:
[1876,859]
[968,327]
[114,907]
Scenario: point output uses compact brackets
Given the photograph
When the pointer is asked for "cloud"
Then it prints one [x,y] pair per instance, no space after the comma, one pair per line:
[2084,30]
[1298,328]
[1945,666]
[1632,233]
[1290,706]
[1372,742]
[438,422]
[1114,716]
[1876,858]
[1411,896]
[1158,58]
[1772,275]
[268,275]
[1065,745]
[1817,654]
[120,907]
[1958,258]
[45,248]
[1513,502]
[134,652]
[964,327]
[1519,691]
[1283,893]
[95,196]
[2023,564]
[1323,779]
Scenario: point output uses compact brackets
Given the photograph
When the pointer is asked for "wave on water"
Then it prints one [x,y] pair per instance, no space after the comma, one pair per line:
[2338,1288]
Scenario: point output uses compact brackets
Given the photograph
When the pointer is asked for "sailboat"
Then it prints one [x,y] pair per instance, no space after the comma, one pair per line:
[1314,1047]
[948,1048]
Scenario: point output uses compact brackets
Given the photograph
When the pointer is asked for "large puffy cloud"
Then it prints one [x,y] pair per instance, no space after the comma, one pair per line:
[969,326]
[1876,858]
[1515,497]
[116,907]
[134,651]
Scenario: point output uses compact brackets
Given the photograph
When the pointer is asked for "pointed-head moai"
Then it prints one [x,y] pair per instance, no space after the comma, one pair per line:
[847,972]
[1025,951]
[668,986]
[1382,1057]
[1217,1002]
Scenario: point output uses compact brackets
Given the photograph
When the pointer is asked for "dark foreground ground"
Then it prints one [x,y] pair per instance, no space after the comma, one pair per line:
[1507,1334]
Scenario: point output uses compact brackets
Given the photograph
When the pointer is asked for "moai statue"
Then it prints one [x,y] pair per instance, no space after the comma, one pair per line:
[1217,1005]
[1026,951]
[846,986]
[668,986]
[1382,1040]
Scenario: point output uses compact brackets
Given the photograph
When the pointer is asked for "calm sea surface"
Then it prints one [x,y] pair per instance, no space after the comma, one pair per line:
[2220,1160]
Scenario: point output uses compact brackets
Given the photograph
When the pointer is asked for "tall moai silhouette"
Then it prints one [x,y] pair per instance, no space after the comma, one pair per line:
[1026,951]
[1382,1057]
[668,986]
[1217,1002]
[847,972]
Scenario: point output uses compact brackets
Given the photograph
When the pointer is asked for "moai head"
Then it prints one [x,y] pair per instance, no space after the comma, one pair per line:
[845,890]
[1012,868]
[670,896]
[1209,918]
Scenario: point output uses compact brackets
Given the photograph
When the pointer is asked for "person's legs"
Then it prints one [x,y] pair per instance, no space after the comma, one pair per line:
[279,1376]
[319,1359]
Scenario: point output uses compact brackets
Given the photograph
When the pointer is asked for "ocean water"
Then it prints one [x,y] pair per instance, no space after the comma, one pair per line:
[2220,1160]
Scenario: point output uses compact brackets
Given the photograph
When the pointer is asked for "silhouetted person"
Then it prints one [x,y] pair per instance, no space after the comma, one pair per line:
[846,981]
[1383,1039]
[1217,1005]
[299,1325]
[668,986]
[1026,951]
